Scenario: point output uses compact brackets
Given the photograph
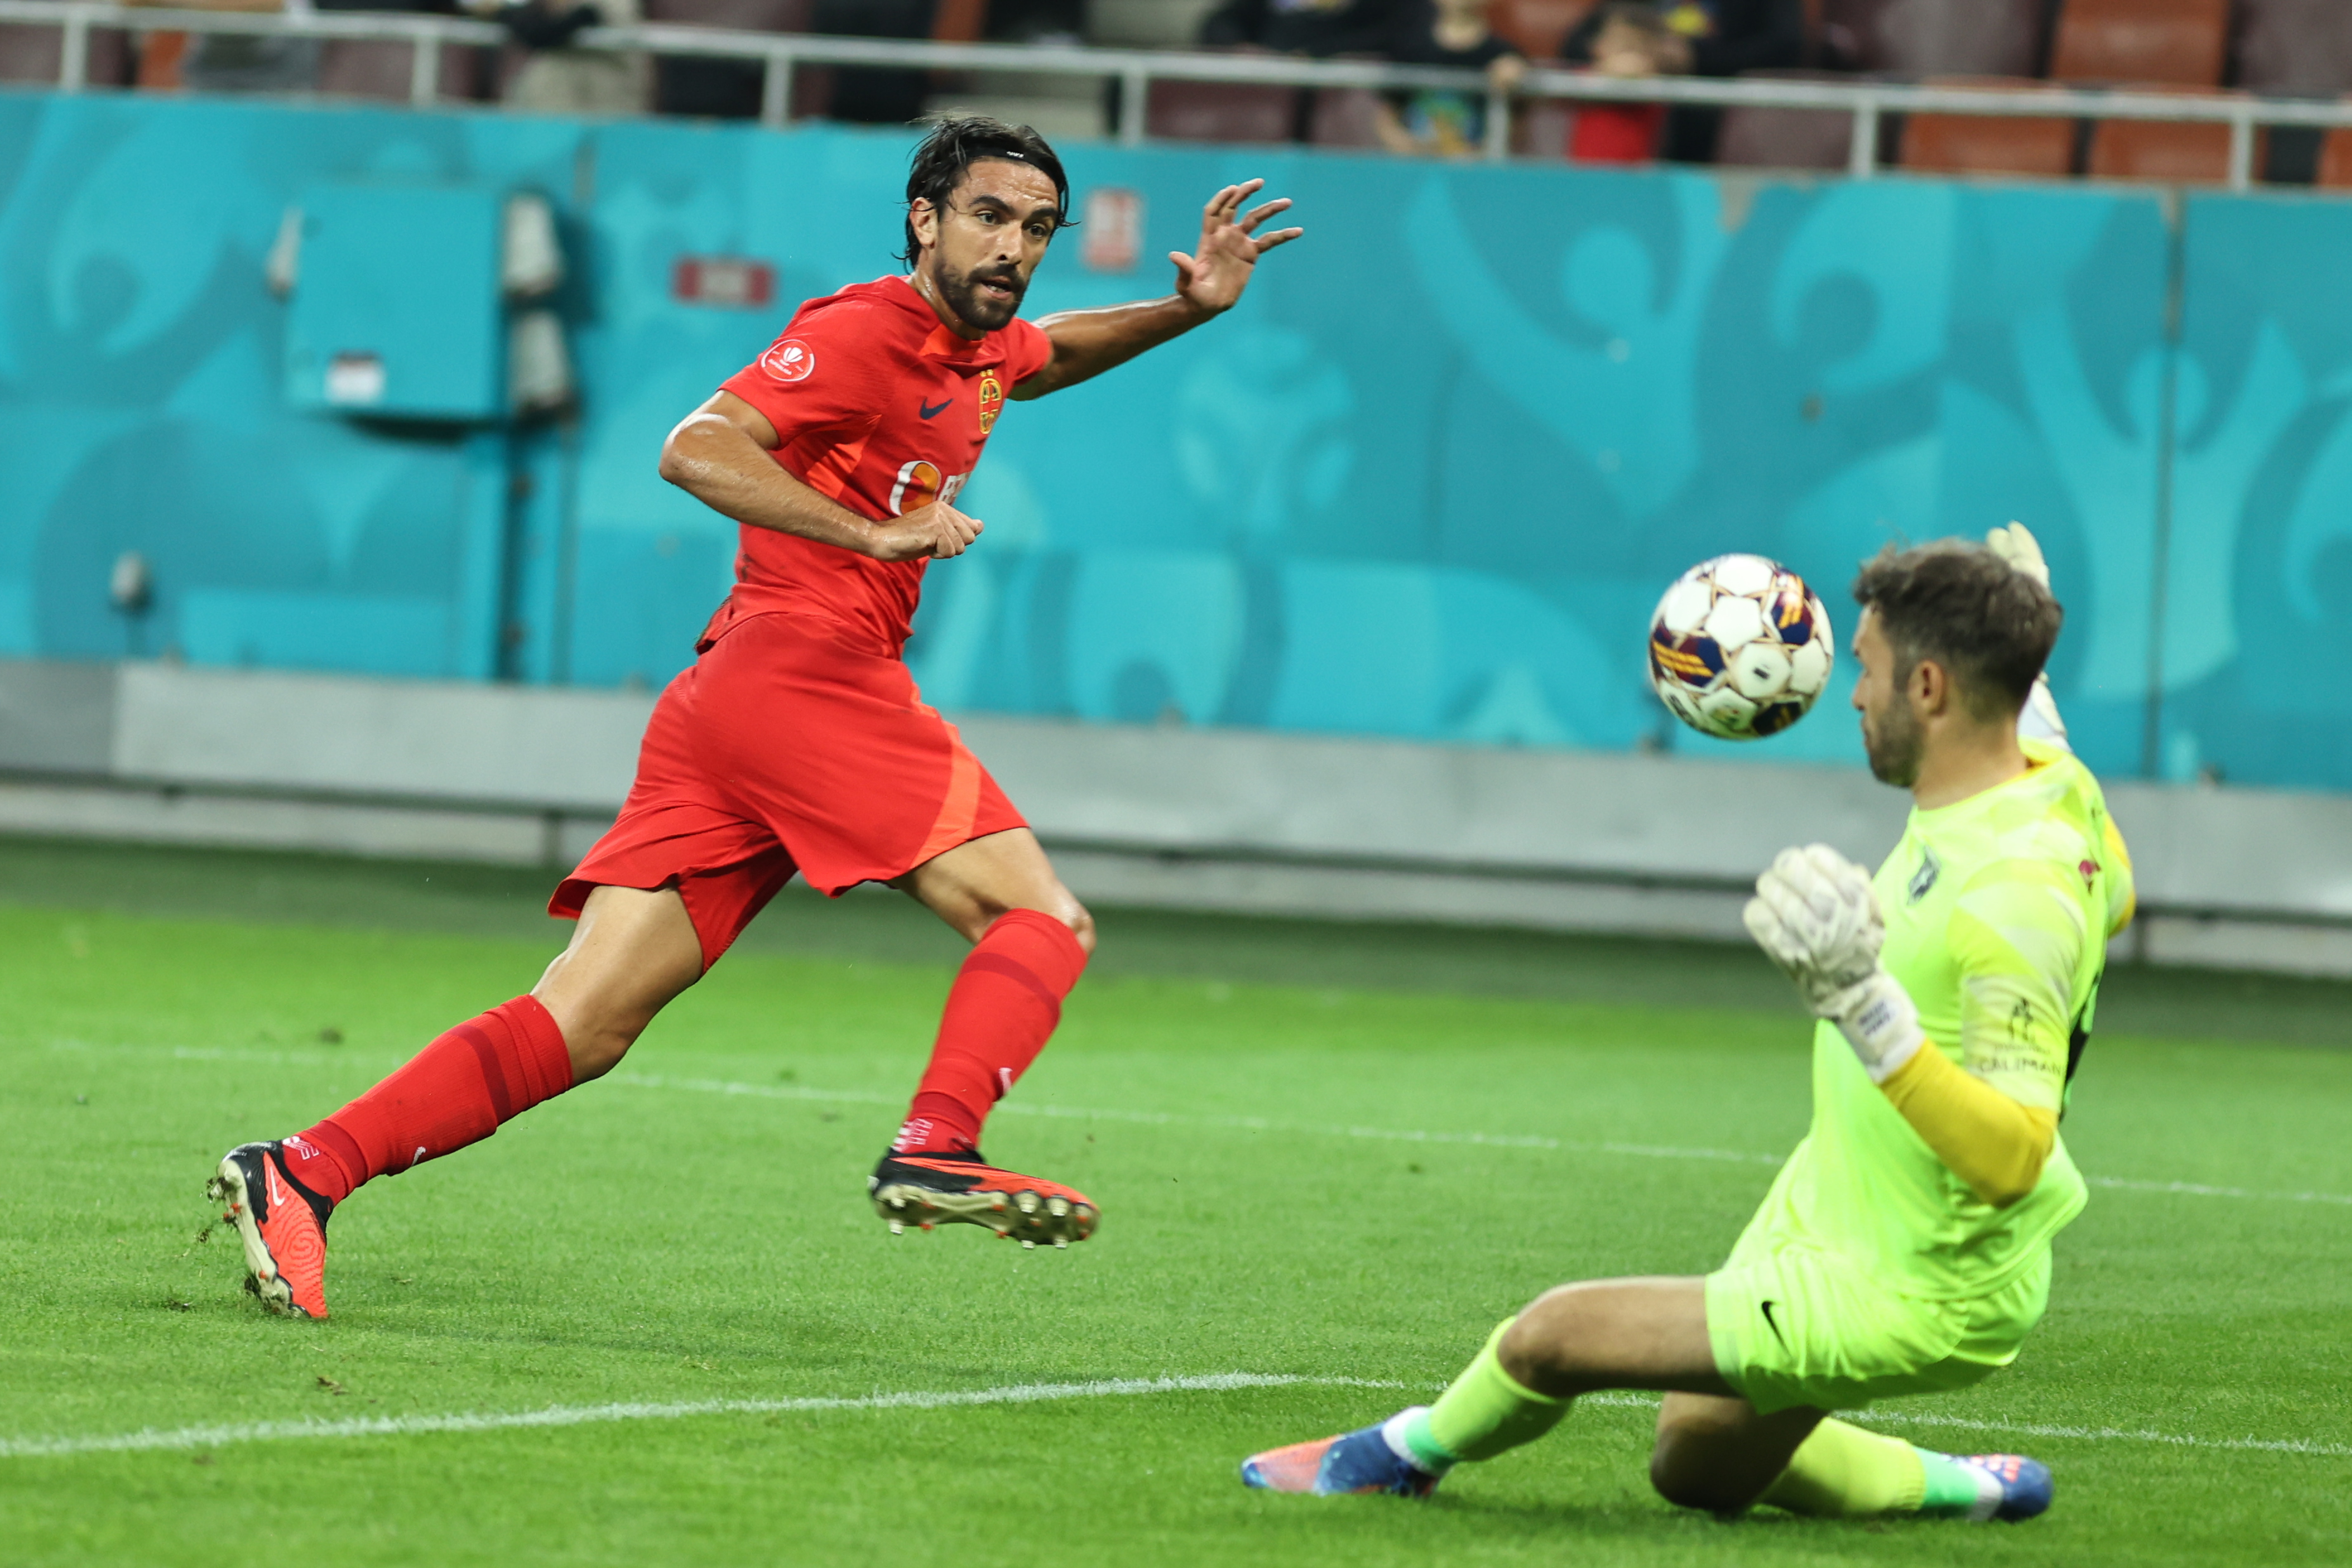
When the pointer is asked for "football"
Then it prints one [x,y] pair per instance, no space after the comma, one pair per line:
[1739,648]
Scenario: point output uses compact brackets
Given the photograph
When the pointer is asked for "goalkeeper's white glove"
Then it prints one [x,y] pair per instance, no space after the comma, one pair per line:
[1815,914]
[2017,545]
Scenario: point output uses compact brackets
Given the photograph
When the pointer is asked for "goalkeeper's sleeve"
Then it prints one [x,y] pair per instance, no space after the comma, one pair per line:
[1987,1139]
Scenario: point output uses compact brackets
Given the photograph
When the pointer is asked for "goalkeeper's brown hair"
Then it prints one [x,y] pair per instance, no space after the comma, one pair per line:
[1958,604]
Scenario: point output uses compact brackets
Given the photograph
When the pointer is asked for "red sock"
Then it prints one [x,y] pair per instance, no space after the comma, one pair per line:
[453,1092]
[1007,1000]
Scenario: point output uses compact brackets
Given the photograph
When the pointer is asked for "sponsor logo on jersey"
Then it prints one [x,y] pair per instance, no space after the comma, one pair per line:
[1923,880]
[991,400]
[921,483]
[790,360]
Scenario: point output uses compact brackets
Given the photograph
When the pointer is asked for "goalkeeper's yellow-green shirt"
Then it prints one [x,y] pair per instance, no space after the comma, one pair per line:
[1998,910]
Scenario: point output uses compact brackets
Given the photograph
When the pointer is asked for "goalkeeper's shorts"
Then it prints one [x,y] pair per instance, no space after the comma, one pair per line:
[1795,1324]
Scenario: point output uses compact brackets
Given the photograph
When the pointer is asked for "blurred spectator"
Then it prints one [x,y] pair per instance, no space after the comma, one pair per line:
[1446,33]
[1720,37]
[1303,26]
[1623,39]
[556,78]
[229,62]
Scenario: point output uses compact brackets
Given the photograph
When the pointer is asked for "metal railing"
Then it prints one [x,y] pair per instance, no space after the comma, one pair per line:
[1866,102]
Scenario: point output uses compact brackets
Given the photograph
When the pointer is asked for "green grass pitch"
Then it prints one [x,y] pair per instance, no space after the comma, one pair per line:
[1323,1154]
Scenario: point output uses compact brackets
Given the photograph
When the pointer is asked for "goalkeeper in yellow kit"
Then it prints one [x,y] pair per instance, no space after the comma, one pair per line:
[1904,1248]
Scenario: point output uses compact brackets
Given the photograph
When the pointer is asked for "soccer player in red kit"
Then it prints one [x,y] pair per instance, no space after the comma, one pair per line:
[797,740]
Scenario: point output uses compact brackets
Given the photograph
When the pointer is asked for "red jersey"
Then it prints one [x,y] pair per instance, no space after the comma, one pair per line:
[881,408]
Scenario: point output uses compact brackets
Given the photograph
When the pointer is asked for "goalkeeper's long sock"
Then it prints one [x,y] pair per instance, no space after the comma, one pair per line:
[453,1092]
[1486,1412]
[1844,1472]
[1004,1005]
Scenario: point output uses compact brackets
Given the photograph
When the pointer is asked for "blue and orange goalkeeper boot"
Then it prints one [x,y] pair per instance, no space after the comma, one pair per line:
[932,1187]
[1360,1461]
[2010,1487]
[283,1225]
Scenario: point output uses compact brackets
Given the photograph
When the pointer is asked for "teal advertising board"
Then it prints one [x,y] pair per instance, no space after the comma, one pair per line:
[1426,482]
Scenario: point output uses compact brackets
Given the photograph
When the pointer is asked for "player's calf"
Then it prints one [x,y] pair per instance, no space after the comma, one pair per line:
[283,1225]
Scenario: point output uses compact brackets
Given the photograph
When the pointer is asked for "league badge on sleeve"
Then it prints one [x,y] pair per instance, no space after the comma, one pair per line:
[790,360]
[991,400]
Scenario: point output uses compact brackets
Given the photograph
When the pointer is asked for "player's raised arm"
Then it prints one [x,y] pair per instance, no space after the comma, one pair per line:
[2041,720]
[1209,282]
[720,455]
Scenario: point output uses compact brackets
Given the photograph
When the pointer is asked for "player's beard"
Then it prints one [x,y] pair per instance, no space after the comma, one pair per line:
[1893,739]
[963,296]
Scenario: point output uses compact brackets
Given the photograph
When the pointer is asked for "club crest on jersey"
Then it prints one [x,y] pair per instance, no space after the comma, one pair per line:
[790,360]
[2090,872]
[991,400]
[1923,880]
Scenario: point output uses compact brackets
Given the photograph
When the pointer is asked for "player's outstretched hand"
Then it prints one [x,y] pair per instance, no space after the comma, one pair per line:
[934,529]
[1815,914]
[1215,276]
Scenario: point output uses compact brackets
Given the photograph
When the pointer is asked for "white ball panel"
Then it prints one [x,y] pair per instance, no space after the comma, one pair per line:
[1733,623]
[1725,712]
[1744,573]
[1760,670]
[1809,670]
[1685,604]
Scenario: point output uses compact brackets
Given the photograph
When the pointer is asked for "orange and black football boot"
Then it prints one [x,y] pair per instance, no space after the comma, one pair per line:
[930,1187]
[283,1224]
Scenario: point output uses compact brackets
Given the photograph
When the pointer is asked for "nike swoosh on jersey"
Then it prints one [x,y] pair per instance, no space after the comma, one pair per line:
[1773,1326]
[931,409]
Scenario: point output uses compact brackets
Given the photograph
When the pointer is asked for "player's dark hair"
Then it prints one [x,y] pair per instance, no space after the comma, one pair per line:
[1990,625]
[953,146]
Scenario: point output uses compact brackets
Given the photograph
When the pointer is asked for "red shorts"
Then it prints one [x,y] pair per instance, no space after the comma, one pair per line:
[785,749]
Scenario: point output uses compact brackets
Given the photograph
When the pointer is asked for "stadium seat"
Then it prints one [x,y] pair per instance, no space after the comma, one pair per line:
[1785,138]
[1345,116]
[1981,145]
[359,68]
[1536,27]
[2177,43]
[2297,46]
[33,54]
[1220,111]
[1616,133]
[2336,161]
[2176,154]
[1936,37]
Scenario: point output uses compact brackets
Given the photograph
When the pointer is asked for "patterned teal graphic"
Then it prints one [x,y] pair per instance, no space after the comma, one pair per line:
[1427,481]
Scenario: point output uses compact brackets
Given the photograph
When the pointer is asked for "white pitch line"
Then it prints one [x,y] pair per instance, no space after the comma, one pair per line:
[1177,1119]
[204,1437]
[2033,1430]
[2111,1434]
[1401,1135]
[184,1437]
[2200,1190]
